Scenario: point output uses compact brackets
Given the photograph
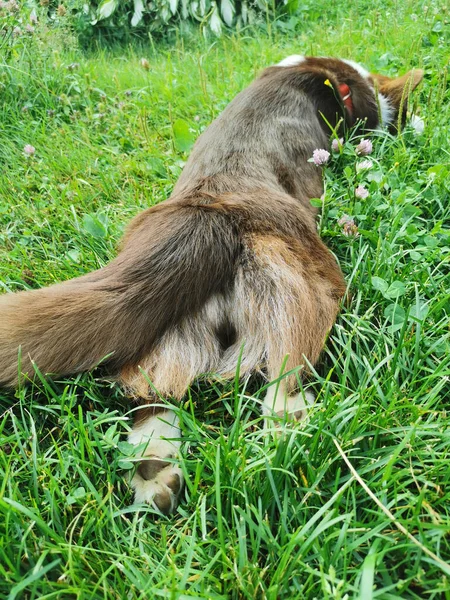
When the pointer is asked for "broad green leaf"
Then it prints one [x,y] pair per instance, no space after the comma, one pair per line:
[126,465]
[227,10]
[430,241]
[80,492]
[380,284]
[126,448]
[111,434]
[396,315]
[292,6]
[165,13]
[156,165]
[138,12]
[73,255]
[183,138]
[106,8]
[376,176]
[419,311]
[215,22]
[411,210]
[173,6]
[395,290]
[94,226]
[438,172]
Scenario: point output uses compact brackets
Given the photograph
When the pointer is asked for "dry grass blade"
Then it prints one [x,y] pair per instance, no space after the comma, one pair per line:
[445,566]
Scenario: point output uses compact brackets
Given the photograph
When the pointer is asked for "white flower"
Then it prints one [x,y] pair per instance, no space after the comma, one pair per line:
[364,147]
[361,192]
[336,145]
[364,165]
[29,150]
[349,227]
[320,156]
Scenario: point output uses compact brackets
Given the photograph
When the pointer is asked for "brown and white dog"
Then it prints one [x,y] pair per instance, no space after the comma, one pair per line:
[230,269]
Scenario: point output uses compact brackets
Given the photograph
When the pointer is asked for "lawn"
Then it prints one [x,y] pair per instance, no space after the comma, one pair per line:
[353,504]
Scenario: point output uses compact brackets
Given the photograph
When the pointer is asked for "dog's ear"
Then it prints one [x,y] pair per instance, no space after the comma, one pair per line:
[323,89]
[341,90]
[320,85]
[397,91]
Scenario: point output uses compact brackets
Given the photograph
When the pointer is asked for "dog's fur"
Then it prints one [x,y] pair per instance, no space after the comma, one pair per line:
[230,268]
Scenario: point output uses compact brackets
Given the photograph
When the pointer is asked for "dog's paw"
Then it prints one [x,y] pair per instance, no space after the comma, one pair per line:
[294,409]
[158,482]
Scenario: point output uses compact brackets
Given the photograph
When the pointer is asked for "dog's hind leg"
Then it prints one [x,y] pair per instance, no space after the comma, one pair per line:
[158,479]
[184,353]
[301,301]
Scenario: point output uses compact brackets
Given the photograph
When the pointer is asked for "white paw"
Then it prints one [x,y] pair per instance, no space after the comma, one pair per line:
[296,407]
[289,408]
[277,402]
[158,482]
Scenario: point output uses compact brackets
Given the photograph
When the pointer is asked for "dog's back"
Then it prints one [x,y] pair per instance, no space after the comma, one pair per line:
[234,249]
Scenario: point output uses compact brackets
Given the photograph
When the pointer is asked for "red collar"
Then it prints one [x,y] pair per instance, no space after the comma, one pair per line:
[346,96]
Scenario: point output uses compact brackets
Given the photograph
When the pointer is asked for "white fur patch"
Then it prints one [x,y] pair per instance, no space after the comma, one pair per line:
[291,61]
[386,110]
[152,431]
[361,70]
[418,124]
[276,400]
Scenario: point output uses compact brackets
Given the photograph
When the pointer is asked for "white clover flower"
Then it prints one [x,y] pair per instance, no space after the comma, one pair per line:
[349,227]
[361,192]
[337,144]
[364,165]
[364,147]
[29,150]
[320,157]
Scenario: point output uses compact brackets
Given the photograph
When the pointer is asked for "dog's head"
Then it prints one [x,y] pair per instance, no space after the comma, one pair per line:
[345,91]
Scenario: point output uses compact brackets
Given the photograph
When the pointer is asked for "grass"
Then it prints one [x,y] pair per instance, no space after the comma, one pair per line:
[355,504]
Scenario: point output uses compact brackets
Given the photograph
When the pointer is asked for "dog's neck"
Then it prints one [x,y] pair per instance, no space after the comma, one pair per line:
[263,139]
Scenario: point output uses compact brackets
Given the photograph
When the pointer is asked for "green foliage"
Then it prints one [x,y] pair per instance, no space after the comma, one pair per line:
[261,517]
[155,15]
[123,20]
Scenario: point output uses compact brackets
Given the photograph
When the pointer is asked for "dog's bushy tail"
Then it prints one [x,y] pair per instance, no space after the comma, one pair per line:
[174,258]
